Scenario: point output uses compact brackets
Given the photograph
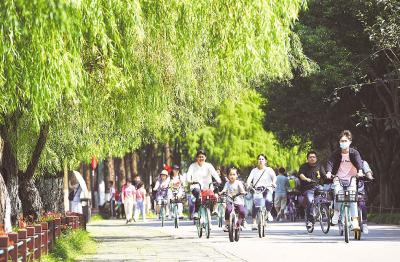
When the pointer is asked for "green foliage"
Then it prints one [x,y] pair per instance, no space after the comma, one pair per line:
[70,245]
[237,136]
[384,218]
[110,75]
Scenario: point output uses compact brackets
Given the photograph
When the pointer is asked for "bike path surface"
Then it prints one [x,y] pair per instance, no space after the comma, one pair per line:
[151,242]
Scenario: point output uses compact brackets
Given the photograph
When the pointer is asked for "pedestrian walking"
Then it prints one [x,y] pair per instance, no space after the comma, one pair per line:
[128,199]
[282,185]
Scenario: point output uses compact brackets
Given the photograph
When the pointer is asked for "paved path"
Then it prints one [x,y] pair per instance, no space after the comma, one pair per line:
[284,242]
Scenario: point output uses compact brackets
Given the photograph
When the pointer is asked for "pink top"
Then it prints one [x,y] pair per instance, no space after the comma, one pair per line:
[346,168]
[140,193]
[129,191]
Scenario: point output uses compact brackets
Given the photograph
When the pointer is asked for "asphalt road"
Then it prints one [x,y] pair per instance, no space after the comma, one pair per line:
[283,242]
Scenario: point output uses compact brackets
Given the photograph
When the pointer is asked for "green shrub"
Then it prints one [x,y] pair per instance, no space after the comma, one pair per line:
[393,218]
[70,245]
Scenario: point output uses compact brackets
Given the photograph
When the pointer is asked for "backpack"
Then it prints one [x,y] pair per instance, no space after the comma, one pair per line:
[72,194]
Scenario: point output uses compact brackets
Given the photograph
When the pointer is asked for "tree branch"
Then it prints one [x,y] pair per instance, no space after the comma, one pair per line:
[41,142]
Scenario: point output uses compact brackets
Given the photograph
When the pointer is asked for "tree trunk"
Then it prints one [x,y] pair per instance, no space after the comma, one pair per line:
[30,198]
[111,171]
[10,175]
[134,163]
[127,159]
[168,155]
[28,193]
[3,197]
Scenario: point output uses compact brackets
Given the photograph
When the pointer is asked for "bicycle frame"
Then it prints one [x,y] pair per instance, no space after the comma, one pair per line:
[259,202]
[345,197]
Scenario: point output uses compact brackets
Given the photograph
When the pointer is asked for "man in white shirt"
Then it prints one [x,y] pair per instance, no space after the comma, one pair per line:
[202,173]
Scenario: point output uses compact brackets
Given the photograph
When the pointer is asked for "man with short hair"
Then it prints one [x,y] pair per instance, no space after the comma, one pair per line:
[311,174]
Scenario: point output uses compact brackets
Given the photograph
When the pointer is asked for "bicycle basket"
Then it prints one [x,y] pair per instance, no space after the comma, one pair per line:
[208,194]
[258,199]
[346,196]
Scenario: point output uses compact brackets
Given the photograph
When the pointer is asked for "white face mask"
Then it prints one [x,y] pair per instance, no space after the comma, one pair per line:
[345,145]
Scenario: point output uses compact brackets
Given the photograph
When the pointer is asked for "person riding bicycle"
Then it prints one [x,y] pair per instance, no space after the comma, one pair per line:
[161,187]
[201,172]
[177,184]
[346,163]
[311,174]
[232,188]
[262,176]
[362,191]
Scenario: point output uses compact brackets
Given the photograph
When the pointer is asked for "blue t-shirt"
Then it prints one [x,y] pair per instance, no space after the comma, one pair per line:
[282,184]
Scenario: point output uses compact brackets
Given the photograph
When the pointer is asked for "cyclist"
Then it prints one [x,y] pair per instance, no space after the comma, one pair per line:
[177,183]
[201,172]
[262,176]
[161,187]
[345,163]
[234,187]
[362,191]
[309,173]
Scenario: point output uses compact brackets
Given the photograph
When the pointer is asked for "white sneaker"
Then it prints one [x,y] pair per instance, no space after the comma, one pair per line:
[355,225]
[195,215]
[365,229]
[335,217]
[269,217]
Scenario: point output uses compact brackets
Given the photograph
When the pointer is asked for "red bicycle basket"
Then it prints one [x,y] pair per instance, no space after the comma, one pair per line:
[208,194]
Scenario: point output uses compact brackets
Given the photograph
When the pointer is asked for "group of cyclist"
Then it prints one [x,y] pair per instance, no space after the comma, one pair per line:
[344,164]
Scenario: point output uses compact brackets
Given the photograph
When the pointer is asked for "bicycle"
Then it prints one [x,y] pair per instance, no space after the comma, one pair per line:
[221,209]
[234,226]
[320,211]
[259,202]
[163,209]
[208,200]
[291,206]
[174,206]
[346,197]
[361,198]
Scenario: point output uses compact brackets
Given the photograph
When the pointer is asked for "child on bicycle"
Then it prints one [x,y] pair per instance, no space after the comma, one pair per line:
[161,187]
[232,188]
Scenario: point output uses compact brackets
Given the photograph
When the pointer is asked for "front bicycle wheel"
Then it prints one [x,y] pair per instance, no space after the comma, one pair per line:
[162,214]
[237,231]
[220,215]
[176,220]
[260,218]
[207,222]
[324,219]
[199,224]
[231,228]
[346,225]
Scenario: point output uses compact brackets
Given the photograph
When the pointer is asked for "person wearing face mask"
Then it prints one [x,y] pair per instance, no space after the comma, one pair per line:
[346,163]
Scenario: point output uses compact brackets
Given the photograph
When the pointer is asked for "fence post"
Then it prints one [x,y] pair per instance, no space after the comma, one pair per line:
[31,243]
[23,235]
[38,241]
[45,237]
[4,248]
[14,252]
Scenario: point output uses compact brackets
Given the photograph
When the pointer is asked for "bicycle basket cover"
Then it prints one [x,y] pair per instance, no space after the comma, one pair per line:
[207,193]
[258,199]
[292,184]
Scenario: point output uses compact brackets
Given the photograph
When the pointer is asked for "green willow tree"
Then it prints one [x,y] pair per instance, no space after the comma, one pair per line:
[238,136]
[101,77]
